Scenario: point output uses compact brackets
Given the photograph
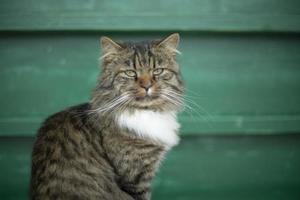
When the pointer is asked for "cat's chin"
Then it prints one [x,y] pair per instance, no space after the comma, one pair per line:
[146,99]
[147,103]
[151,103]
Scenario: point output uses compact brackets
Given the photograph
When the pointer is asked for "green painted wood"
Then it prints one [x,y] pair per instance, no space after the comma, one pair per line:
[228,168]
[192,15]
[203,167]
[244,83]
[15,155]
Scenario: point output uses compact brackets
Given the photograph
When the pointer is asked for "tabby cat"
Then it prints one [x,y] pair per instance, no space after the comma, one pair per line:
[111,147]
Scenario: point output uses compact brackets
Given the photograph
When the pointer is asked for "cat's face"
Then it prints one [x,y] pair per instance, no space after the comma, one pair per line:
[142,75]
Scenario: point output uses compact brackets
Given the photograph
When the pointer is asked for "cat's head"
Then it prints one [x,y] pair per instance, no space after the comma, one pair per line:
[143,75]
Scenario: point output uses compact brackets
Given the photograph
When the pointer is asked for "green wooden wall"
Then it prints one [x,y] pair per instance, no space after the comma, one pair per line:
[240,61]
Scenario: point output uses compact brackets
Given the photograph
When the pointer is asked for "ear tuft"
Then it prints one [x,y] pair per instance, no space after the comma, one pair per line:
[171,42]
[108,46]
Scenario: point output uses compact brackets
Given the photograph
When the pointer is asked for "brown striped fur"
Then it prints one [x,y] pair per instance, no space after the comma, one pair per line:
[81,153]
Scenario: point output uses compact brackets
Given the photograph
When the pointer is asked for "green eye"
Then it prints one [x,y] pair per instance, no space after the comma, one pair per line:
[158,71]
[130,73]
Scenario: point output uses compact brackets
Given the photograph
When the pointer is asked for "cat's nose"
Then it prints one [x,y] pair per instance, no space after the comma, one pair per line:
[146,87]
[146,84]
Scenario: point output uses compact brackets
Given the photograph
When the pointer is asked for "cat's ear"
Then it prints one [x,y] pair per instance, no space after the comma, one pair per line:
[108,46]
[171,42]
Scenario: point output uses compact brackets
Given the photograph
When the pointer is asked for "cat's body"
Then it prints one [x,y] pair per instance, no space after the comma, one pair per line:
[109,148]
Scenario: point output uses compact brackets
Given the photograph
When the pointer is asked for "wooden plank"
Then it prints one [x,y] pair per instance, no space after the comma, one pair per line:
[203,167]
[245,83]
[15,156]
[230,168]
[156,15]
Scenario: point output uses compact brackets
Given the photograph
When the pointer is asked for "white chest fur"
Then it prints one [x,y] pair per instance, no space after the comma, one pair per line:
[159,126]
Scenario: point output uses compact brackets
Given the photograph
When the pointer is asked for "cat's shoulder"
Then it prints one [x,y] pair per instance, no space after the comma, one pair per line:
[72,111]
[60,118]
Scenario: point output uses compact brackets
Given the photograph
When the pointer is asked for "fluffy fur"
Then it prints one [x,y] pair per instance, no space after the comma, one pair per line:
[161,122]
[110,147]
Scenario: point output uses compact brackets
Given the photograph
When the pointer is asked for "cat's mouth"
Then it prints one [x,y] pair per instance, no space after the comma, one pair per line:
[143,95]
[146,98]
[147,101]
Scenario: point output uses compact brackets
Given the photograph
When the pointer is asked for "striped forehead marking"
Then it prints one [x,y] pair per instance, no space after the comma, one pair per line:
[143,57]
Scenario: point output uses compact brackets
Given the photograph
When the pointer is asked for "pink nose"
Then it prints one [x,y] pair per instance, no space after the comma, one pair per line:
[145,83]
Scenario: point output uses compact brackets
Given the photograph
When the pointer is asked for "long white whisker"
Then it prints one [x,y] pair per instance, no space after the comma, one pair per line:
[177,95]
[180,101]
[112,104]
[172,100]
[122,105]
[192,92]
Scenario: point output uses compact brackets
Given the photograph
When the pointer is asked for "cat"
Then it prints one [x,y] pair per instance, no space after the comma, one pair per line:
[111,147]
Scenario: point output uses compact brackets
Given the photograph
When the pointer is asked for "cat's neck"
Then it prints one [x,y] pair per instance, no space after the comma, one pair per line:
[147,124]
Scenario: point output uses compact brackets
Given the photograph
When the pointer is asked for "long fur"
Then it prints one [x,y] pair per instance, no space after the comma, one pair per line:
[158,126]
[110,147]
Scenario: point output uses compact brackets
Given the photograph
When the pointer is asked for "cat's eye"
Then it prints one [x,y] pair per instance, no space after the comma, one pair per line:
[158,71]
[130,73]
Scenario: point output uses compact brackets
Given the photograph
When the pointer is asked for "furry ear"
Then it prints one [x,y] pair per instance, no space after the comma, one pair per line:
[108,46]
[171,42]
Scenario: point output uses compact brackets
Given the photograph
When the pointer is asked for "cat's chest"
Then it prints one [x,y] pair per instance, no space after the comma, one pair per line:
[157,126]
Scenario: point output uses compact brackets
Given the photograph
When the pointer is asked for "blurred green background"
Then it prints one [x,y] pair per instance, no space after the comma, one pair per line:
[241,65]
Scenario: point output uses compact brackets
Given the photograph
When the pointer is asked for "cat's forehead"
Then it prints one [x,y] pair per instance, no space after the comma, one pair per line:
[141,48]
[144,50]
[141,55]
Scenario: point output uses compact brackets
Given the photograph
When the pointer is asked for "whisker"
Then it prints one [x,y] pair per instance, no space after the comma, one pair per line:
[189,105]
[111,105]
[172,101]
[194,93]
